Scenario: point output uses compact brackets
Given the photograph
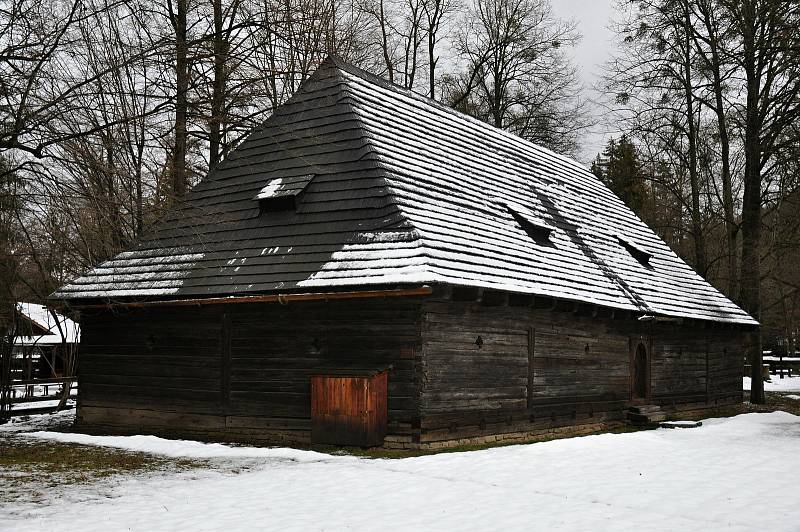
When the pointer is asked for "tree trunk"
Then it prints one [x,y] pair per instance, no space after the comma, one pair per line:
[731,228]
[751,236]
[431,63]
[181,101]
[701,264]
[497,102]
[139,226]
[217,89]
[385,44]
[751,205]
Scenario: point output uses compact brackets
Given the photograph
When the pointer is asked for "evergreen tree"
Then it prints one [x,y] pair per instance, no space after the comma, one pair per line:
[620,169]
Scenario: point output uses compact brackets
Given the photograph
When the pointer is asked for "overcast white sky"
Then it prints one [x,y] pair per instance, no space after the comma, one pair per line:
[593,18]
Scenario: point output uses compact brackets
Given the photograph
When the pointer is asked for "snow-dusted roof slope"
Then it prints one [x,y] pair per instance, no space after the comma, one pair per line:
[43,329]
[400,189]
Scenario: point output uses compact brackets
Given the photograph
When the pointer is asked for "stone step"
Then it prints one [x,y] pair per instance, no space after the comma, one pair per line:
[645,414]
[646,418]
[644,409]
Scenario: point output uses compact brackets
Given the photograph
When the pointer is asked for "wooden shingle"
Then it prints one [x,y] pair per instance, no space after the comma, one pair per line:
[397,188]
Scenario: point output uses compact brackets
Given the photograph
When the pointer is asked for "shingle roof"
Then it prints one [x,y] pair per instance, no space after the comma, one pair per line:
[400,189]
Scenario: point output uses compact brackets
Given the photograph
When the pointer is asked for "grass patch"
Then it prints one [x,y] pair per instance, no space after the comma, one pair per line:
[778,401]
[30,468]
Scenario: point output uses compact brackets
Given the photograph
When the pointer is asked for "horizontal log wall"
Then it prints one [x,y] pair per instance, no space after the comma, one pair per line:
[168,359]
[531,369]
[691,365]
[461,369]
[241,368]
[534,369]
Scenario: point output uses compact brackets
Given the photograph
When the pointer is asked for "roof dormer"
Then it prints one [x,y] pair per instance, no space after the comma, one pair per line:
[636,251]
[281,193]
[533,225]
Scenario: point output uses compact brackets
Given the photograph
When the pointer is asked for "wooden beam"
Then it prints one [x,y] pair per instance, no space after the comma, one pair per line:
[531,354]
[269,298]
[520,300]
[225,362]
[467,294]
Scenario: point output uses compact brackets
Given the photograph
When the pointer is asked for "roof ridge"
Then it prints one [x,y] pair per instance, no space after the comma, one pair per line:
[380,165]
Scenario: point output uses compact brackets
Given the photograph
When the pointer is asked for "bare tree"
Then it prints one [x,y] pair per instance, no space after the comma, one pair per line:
[770,62]
[517,76]
[711,36]
[400,31]
[655,85]
[436,13]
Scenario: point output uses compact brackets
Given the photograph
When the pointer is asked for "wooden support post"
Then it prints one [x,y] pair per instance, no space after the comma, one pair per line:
[708,376]
[531,353]
[225,362]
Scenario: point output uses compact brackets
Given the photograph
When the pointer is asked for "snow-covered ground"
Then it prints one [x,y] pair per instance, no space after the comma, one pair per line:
[776,384]
[20,408]
[737,473]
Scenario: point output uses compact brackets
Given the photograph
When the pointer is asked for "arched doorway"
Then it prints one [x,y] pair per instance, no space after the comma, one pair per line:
[640,372]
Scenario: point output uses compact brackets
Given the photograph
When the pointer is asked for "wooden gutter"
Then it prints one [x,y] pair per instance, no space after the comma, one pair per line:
[267,298]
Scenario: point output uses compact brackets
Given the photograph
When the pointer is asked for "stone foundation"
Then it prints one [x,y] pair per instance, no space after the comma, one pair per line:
[297,433]
[528,436]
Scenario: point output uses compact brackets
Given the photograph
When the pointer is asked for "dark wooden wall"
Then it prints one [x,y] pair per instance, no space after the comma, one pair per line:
[558,366]
[533,368]
[151,359]
[240,366]
[460,368]
[696,365]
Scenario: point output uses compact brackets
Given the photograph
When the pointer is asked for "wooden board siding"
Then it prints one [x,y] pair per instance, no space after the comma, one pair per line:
[584,360]
[544,368]
[241,365]
[469,390]
[142,359]
[274,353]
[694,365]
[460,369]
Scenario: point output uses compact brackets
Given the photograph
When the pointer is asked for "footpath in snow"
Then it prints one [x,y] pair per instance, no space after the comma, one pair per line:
[680,479]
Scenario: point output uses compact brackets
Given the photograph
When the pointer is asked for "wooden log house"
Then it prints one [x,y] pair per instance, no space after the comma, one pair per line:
[366,235]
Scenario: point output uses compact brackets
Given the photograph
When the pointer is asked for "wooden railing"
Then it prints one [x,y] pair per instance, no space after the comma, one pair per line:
[23,392]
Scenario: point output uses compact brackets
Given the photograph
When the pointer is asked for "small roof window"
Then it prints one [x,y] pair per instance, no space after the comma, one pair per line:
[638,253]
[533,225]
[281,193]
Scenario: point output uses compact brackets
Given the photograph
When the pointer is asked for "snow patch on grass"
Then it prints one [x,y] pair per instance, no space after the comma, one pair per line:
[180,448]
[699,479]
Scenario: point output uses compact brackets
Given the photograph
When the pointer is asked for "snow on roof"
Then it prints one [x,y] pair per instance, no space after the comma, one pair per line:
[443,187]
[42,318]
[285,186]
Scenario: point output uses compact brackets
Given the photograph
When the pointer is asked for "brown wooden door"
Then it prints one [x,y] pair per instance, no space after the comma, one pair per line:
[349,409]
[640,373]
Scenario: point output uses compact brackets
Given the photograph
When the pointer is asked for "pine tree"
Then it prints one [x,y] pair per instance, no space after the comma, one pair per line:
[620,169]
